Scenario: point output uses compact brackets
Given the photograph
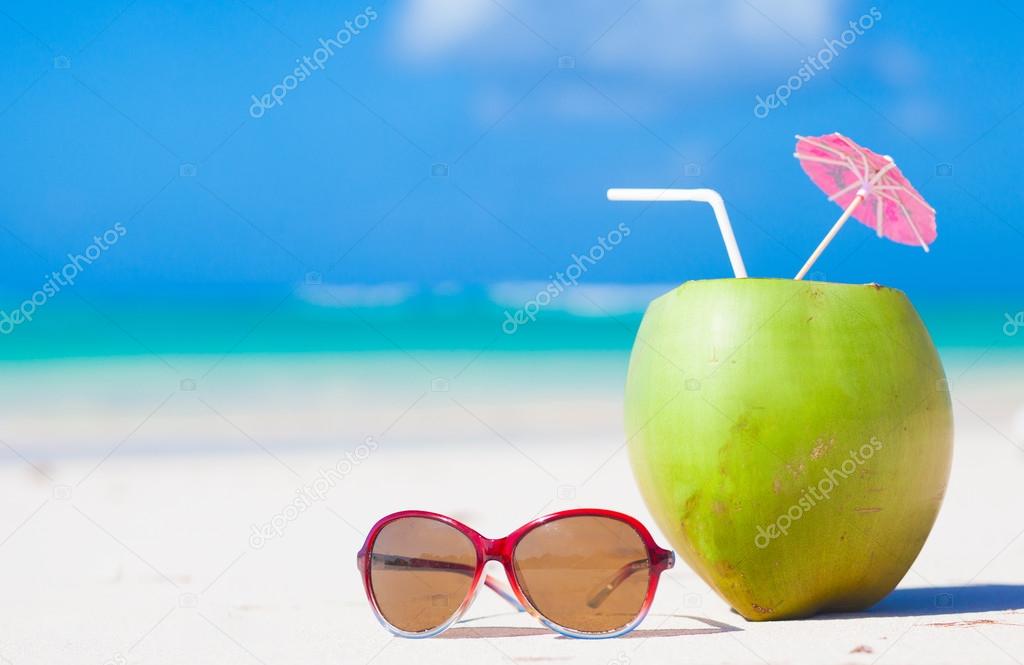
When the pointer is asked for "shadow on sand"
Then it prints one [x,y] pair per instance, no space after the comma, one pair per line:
[464,632]
[928,601]
[944,600]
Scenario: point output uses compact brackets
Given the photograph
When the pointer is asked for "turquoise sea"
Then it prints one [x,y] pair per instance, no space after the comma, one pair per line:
[328,365]
[393,318]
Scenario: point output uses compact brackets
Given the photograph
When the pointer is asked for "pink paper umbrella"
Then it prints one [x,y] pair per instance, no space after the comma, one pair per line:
[867,186]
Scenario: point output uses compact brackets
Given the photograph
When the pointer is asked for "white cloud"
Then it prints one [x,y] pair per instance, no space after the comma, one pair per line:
[913,104]
[919,114]
[898,64]
[581,300]
[698,39]
[429,28]
[357,295]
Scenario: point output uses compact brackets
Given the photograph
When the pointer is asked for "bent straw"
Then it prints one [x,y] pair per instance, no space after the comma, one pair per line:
[709,196]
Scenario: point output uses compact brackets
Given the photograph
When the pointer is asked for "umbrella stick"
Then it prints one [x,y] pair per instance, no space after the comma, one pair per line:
[831,234]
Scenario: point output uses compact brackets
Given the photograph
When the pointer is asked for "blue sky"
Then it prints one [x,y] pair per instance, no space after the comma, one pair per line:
[103,103]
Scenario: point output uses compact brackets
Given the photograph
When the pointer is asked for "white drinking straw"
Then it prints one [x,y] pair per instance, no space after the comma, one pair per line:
[709,196]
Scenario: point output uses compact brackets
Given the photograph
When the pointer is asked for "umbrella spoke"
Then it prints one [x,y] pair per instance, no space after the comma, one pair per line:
[853,147]
[903,188]
[831,162]
[845,190]
[813,140]
[824,160]
[835,151]
[820,160]
[881,172]
[906,214]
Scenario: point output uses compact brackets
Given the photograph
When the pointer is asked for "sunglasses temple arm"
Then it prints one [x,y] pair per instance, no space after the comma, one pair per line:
[662,559]
[416,563]
[499,588]
[621,576]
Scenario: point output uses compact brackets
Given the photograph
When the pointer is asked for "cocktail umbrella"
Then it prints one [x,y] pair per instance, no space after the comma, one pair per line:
[869,187]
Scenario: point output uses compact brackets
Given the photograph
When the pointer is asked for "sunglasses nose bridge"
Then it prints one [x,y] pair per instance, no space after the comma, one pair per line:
[494,550]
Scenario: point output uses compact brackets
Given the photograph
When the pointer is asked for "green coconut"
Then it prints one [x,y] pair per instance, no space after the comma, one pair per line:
[792,439]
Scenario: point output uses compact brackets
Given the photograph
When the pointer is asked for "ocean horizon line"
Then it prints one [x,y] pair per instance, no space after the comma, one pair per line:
[324,317]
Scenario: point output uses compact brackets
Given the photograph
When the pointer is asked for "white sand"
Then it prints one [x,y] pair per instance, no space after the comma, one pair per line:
[147,558]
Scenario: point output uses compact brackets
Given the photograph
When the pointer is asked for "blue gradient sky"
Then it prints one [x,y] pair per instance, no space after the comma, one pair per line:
[338,178]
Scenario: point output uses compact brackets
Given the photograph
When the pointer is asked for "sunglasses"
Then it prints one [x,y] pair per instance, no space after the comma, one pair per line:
[584,573]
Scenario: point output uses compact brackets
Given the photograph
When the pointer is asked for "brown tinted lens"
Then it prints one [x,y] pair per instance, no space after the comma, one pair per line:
[589,574]
[420,572]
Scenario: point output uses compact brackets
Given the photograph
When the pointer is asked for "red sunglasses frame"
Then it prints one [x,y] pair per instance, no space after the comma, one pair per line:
[502,550]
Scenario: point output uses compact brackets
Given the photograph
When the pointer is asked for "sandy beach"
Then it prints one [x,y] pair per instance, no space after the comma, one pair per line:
[273,271]
[145,552]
